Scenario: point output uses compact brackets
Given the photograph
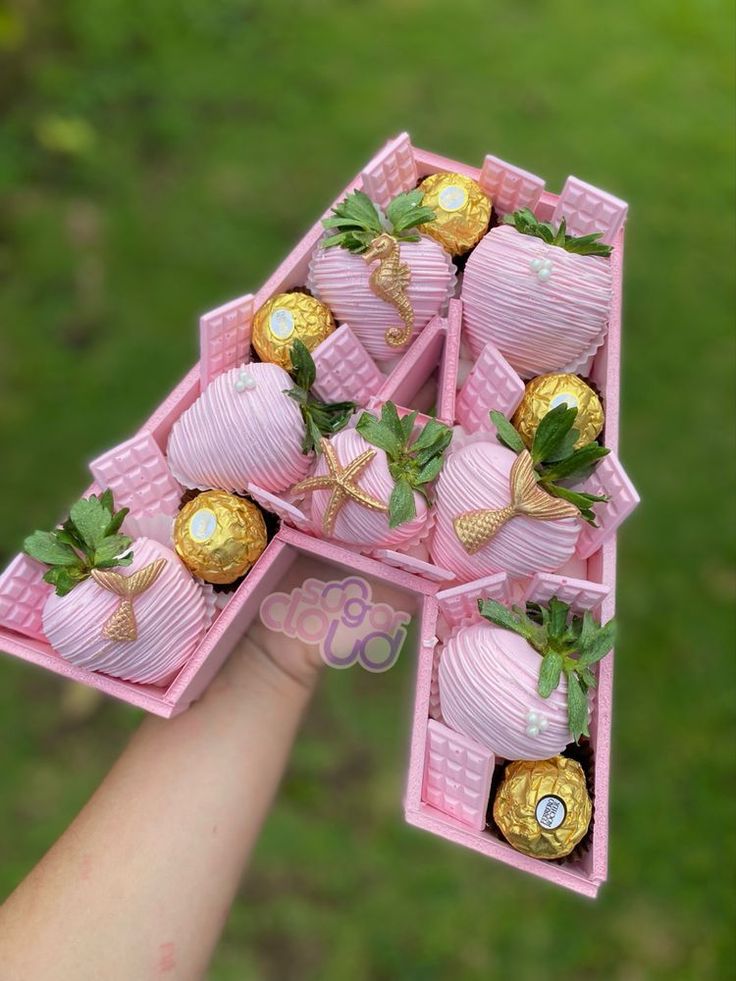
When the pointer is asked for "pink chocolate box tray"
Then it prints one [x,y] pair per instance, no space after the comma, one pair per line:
[449,780]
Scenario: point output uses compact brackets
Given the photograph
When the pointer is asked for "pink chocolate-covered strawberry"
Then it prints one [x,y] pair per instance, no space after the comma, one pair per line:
[541,296]
[385,280]
[519,684]
[369,484]
[506,508]
[253,424]
[126,608]
[491,516]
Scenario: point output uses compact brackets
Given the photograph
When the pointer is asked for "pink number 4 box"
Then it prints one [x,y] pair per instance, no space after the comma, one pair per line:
[460,359]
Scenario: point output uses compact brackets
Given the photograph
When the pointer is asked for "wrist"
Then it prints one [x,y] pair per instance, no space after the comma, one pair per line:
[270,663]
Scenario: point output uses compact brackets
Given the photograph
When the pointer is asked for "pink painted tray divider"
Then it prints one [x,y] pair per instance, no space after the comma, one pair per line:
[449,775]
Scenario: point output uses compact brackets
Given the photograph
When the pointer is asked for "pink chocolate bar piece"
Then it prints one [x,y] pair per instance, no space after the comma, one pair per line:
[22,596]
[224,338]
[609,479]
[491,384]
[459,604]
[587,209]
[580,594]
[457,775]
[391,172]
[137,473]
[345,370]
[509,187]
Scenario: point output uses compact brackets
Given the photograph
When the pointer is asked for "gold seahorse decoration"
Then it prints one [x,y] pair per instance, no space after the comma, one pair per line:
[390,281]
[121,625]
[476,528]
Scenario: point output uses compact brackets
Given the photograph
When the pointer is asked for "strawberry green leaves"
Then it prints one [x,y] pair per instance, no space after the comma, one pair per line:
[87,540]
[412,463]
[357,222]
[46,547]
[506,433]
[407,211]
[549,674]
[525,221]
[320,418]
[555,457]
[568,645]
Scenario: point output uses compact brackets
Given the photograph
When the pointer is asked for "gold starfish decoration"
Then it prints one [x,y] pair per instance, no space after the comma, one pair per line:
[342,481]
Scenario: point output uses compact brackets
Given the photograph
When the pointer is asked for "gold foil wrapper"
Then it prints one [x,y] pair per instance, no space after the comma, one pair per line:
[545,392]
[463,211]
[219,536]
[542,807]
[285,318]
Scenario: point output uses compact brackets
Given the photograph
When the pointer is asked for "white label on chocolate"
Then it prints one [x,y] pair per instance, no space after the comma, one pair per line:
[564,398]
[202,525]
[452,198]
[281,323]
[550,812]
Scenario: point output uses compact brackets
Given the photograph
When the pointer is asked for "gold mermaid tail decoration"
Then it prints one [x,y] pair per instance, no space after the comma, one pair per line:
[476,528]
[389,281]
[121,625]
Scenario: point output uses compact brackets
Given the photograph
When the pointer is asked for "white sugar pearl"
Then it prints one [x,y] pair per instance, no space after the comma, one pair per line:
[244,382]
[544,274]
[535,265]
[543,723]
[532,731]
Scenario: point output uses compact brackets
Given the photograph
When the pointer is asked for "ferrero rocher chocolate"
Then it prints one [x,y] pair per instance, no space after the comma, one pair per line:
[219,536]
[463,211]
[288,317]
[545,392]
[542,807]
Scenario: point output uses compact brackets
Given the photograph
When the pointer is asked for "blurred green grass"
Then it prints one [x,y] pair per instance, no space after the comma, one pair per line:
[160,158]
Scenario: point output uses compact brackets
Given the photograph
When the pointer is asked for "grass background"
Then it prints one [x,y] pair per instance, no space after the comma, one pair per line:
[159,158]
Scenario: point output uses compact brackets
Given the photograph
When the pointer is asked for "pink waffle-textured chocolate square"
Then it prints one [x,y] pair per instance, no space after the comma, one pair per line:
[459,604]
[610,479]
[491,384]
[457,775]
[587,209]
[509,187]
[22,596]
[580,594]
[345,370]
[224,338]
[137,473]
[391,172]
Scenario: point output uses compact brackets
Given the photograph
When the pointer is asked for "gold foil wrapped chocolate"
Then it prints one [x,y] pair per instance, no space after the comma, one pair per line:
[463,211]
[542,807]
[219,536]
[288,317]
[545,392]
